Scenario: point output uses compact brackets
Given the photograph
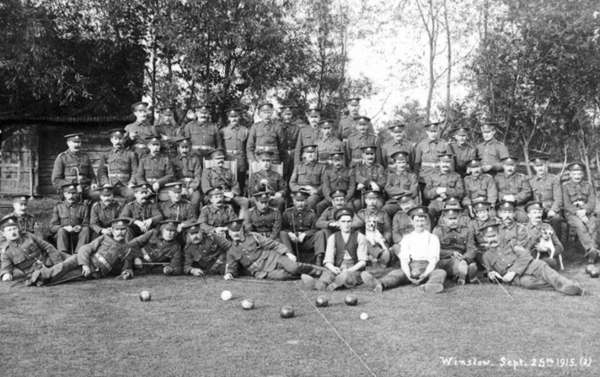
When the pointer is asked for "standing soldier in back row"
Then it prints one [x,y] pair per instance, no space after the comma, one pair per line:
[166,126]
[347,125]
[188,170]
[463,151]
[117,167]
[427,152]
[491,151]
[203,134]
[359,139]
[136,132]
[74,166]
[155,168]
[265,135]
[308,135]
[397,144]
[235,137]
[547,189]
[290,131]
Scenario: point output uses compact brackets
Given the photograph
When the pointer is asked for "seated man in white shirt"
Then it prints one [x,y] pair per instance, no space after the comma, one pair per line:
[419,254]
[345,256]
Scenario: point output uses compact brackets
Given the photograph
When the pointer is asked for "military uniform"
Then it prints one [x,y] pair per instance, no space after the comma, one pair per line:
[235,139]
[308,174]
[275,183]
[28,253]
[324,230]
[392,146]
[547,190]
[212,217]
[366,174]
[180,211]
[264,258]
[142,212]
[116,169]
[513,231]
[517,185]
[294,221]
[354,144]
[458,239]
[171,130]
[306,136]
[491,153]
[101,215]
[138,144]
[64,173]
[267,223]
[290,134]
[151,247]
[480,188]
[26,224]
[451,181]
[204,136]
[209,256]
[426,157]
[462,155]
[265,136]
[188,169]
[336,178]
[347,127]
[155,168]
[399,183]
[534,234]
[474,226]
[65,214]
[578,196]
[223,178]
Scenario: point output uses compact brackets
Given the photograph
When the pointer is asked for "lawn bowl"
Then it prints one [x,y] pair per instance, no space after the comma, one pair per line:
[322,301]
[287,312]
[145,296]
[248,304]
[595,272]
[226,295]
[351,300]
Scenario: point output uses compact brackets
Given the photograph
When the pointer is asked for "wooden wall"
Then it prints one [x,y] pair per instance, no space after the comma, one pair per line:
[18,160]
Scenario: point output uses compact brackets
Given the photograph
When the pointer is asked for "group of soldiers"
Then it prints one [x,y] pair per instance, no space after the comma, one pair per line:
[198,199]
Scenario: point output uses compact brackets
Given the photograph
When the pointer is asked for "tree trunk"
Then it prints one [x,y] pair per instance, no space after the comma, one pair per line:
[449,77]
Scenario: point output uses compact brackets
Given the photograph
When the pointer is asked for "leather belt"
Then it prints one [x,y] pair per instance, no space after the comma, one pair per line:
[117,175]
[429,164]
[266,148]
[203,147]
[234,152]
[145,146]
[103,262]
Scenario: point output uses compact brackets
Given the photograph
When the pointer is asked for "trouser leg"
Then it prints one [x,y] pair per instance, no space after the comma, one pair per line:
[322,206]
[587,240]
[278,203]
[60,270]
[391,209]
[195,200]
[84,237]
[63,241]
[312,202]
[394,279]
[435,208]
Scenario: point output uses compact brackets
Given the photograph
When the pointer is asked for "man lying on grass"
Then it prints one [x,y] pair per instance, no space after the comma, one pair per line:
[24,251]
[510,263]
[262,257]
[419,255]
[101,258]
[203,253]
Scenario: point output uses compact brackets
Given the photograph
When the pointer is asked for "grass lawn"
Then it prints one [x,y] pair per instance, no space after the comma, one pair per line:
[101,328]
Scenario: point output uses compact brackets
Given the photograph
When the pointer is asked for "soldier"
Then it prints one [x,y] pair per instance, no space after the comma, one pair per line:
[298,225]
[215,215]
[137,132]
[101,258]
[145,214]
[177,208]
[188,170]
[359,139]
[235,137]
[166,126]
[419,255]
[222,177]
[262,219]
[534,230]
[73,165]
[478,186]
[441,184]
[262,257]
[579,200]
[70,221]
[397,144]
[290,131]
[336,177]
[203,134]
[104,211]
[347,125]
[204,253]
[463,151]
[509,229]
[155,168]
[327,224]
[377,226]
[513,187]
[23,250]
[270,181]
[490,150]
[308,135]
[26,221]
[427,152]
[482,218]
[265,135]
[547,189]
[512,264]
[400,180]
[369,175]
[345,257]
[327,143]
[453,202]
[117,167]
[457,248]
[307,176]
[155,249]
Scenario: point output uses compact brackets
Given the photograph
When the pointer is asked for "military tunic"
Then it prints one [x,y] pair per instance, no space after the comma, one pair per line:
[290,133]
[294,221]
[257,254]
[326,146]
[308,174]
[27,253]
[347,127]
[187,169]
[306,136]
[265,136]
[581,196]
[139,145]
[212,217]
[456,239]
[451,181]
[517,185]
[220,177]
[491,153]
[235,139]
[101,215]
[392,146]
[142,212]
[462,155]
[169,131]
[155,168]
[366,174]
[180,211]
[398,183]
[426,156]
[513,231]
[209,256]
[480,187]
[534,234]
[355,142]
[267,223]
[26,224]
[64,170]
[338,178]
[204,136]
[547,190]
[151,247]
[122,165]
[276,183]
[63,215]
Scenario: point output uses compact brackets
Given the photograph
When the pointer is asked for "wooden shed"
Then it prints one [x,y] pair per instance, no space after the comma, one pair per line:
[29,148]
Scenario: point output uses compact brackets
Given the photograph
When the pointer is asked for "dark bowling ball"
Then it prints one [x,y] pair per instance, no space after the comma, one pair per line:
[287,312]
[322,301]
[351,300]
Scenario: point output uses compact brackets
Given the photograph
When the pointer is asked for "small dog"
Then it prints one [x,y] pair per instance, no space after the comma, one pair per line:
[372,234]
[546,242]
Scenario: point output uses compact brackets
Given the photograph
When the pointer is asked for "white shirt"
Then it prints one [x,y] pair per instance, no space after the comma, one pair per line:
[422,246]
